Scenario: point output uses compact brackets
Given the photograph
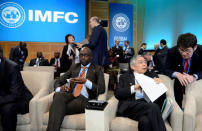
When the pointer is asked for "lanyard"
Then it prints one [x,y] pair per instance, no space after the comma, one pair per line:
[189,63]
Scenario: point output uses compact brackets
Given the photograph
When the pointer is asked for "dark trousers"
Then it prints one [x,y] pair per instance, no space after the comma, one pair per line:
[64,103]
[178,92]
[9,113]
[148,116]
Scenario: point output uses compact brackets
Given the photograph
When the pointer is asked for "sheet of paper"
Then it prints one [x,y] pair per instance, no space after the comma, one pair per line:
[149,86]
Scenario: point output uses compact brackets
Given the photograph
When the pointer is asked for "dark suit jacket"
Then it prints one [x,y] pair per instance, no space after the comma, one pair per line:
[140,51]
[174,62]
[43,62]
[118,51]
[98,45]
[65,62]
[12,87]
[52,61]
[123,91]
[94,74]
[129,53]
[15,55]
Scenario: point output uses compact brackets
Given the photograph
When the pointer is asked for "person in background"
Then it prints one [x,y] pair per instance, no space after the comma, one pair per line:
[39,61]
[184,64]
[128,52]
[82,82]
[69,53]
[133,102]
[14,95]
[150,62]
[56,63]
[142,48]
[117,51]
[19,54]
[98,43]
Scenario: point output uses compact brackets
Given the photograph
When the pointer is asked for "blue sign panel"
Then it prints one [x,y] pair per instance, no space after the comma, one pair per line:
[120,23]
[42,20]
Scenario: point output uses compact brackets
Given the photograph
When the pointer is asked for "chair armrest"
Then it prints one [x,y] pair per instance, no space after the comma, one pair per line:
[176,117]
[43,106]
[33,105]
[112,105]
[189,114]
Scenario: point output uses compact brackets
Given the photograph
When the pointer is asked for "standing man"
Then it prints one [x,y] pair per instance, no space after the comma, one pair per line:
[183,63]
[117,51]
[19,54]
[98,43]
[128,52]
[142,48]
[85,81]
[14,95]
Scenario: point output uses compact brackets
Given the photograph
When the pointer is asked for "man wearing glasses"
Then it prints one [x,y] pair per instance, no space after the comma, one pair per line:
[184,64]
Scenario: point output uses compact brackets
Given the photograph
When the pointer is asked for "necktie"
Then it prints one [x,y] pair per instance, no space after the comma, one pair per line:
[79,86]
[56,63]
[186,65]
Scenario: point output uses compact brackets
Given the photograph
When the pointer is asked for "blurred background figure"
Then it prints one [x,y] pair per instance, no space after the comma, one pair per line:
[19,54]
[56,63]
[70,54]
[128,52]
[142,48]
[39,61]
[150,62]
[117,51]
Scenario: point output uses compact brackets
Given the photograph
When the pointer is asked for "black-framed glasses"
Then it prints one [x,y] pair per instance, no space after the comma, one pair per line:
[187,51]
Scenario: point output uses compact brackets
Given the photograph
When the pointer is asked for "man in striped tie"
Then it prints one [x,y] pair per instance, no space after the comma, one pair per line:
[184,64]
[82,82]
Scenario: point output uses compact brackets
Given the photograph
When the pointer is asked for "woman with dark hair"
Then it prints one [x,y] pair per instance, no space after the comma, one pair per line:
[69,54]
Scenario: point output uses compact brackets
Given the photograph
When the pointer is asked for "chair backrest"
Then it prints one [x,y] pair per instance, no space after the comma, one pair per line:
[169,83]
[36,80]
[123,67]
[195,89]
[104,96]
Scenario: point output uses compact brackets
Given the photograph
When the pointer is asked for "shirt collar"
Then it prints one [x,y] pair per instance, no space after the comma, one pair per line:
[87,66]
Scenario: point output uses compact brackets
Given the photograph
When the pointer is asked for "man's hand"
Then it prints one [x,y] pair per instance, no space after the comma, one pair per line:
[79,45]
[190,78]
[71,57]
[157,80]
[78,80]
[64,88]
[137,87]
[184,81]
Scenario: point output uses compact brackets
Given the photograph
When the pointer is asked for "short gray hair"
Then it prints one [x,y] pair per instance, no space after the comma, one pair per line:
[134,59]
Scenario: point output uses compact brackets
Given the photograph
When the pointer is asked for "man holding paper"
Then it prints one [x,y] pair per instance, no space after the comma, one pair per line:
[82,82]
[134,103]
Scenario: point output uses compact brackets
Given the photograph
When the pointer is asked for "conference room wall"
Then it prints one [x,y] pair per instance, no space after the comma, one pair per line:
[95,8]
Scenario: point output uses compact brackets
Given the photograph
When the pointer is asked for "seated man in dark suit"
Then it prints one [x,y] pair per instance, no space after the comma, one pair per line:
[56,63]
[19,54]
[39,61]
[82,82]
[184,64]
[132,100]
[14,95]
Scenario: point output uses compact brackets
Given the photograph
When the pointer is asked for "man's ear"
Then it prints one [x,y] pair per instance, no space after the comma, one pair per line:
[195,47]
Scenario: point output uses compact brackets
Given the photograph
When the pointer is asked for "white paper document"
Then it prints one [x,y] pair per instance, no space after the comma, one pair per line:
[150,87]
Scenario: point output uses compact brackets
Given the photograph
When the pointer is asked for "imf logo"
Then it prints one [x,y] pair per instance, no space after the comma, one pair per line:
[12,15]
[120,22]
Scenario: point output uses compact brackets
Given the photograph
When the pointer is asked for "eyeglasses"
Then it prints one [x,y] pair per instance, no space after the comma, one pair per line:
[84,55]
[187,51]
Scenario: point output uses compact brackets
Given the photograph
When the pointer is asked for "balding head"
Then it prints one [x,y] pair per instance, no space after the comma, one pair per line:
[94,21]
[85,56]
